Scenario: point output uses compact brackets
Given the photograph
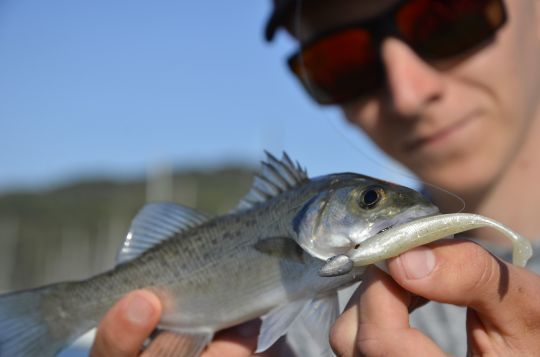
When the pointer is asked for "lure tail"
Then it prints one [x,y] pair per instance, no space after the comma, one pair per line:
[34,323]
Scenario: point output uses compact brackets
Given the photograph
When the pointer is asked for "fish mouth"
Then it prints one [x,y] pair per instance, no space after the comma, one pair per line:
[340,264]
[406,216]
[384,229]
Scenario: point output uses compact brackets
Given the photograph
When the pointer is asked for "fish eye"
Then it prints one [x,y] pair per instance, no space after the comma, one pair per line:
[370,197]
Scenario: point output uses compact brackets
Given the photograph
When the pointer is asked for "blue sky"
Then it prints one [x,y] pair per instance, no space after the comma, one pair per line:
[113,87]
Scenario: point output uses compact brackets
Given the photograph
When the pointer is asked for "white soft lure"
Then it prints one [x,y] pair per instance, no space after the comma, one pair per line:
[399,239]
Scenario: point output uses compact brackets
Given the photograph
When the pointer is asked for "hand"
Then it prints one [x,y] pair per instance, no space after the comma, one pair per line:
[503,308]
[131,320]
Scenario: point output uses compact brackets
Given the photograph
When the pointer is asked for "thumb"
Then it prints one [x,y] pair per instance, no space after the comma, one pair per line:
[462,273]
[126,326]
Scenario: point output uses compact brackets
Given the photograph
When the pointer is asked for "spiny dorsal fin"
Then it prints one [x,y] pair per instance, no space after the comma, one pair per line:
[155,223]
[275,177]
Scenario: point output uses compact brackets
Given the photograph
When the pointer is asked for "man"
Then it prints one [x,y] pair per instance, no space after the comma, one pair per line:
[451,89]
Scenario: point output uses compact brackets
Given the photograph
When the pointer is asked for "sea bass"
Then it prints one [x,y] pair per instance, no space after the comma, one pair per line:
[261,259]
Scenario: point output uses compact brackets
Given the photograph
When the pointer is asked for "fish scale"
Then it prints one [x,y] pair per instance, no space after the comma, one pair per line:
[262,259]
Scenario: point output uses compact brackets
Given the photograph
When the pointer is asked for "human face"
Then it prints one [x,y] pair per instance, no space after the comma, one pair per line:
[456,123]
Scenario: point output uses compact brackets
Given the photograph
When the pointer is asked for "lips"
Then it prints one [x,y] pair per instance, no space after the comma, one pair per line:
[439,136]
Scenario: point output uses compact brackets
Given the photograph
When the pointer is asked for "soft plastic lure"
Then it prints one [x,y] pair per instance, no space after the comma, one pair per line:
[399,239]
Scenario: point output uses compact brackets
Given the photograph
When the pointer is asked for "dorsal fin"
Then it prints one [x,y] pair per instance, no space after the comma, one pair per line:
[275,177]
[155,223]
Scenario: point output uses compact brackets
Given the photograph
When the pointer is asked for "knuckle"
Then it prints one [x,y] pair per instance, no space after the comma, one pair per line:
[527,312]
[369,341]
[112,338]
[481,268]
[109,344]
[102,347]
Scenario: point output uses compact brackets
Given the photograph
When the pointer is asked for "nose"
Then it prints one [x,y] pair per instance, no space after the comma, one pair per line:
[412,83]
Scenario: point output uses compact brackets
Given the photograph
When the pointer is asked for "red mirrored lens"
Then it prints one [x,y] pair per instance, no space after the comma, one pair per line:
[338,67]
[345,65]
[438,28]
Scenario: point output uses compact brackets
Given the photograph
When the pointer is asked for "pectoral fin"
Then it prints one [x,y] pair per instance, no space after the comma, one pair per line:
[304,322]
[313,324]
[281,247]
[276,323]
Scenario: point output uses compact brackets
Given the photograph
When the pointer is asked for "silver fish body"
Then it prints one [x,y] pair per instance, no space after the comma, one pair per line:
[262,259]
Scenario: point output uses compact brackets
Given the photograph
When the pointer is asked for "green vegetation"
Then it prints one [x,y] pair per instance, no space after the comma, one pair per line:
[74,231]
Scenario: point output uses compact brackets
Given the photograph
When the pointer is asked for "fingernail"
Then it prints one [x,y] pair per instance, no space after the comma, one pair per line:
[139,310]
[418,262]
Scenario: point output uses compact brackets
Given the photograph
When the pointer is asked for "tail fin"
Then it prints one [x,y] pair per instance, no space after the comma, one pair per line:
[32,324]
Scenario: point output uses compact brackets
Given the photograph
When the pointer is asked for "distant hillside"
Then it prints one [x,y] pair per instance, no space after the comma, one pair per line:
[74,231]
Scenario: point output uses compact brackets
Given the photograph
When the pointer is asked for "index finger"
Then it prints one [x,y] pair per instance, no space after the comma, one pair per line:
[376,322]
[384,321]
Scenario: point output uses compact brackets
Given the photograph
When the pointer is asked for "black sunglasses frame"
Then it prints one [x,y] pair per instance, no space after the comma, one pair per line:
[384,26]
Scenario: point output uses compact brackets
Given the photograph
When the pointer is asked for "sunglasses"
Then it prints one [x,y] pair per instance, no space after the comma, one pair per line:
[344,64]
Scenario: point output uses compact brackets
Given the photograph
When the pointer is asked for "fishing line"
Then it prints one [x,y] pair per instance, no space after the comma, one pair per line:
[346,134]
[355,143]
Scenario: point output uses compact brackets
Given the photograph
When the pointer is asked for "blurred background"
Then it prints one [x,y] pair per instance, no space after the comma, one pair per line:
[109,104]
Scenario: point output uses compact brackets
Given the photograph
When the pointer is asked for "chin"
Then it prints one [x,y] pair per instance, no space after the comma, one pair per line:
[465,178]
[468,186]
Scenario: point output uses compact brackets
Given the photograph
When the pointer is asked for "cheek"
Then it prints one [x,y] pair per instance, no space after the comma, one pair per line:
[366,115]
[362,113]
[513,65]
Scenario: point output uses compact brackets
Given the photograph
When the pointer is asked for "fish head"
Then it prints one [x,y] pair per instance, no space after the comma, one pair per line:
[353,209]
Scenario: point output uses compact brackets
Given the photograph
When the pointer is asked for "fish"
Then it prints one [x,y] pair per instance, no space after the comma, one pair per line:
[261,259]
[396,240]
